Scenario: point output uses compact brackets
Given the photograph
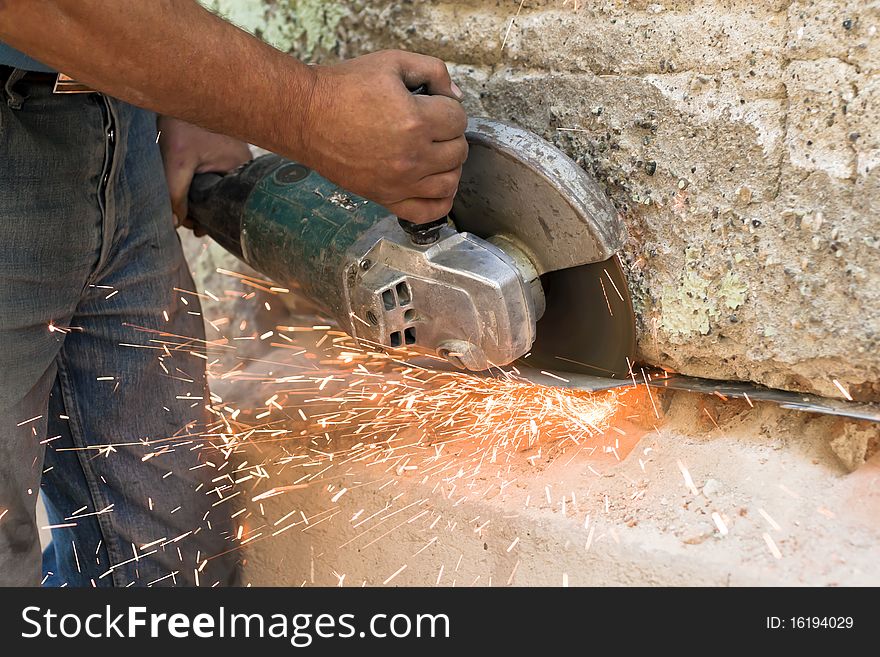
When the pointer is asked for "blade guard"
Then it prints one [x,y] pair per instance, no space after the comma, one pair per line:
[519,188]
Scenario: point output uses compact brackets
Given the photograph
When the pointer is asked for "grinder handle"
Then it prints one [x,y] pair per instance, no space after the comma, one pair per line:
[215,207]
[201,186]
[427,233]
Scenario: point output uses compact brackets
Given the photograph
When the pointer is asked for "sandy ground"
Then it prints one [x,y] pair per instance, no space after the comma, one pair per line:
[703,491]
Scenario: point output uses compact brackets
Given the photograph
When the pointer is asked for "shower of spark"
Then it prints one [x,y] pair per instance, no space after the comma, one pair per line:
[502,412]
[327,403]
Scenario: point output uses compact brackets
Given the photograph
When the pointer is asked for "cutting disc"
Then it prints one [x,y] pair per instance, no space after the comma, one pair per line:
[519,188]
[517,185]
[589,326]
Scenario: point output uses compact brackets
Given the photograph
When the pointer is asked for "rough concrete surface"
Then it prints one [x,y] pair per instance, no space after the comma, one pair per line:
[739,140]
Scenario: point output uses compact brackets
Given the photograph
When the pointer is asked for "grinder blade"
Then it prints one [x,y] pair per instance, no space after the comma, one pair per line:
[589,325]
[519,186]
[518,190]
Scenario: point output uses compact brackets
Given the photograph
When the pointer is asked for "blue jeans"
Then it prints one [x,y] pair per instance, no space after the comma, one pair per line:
[102,400]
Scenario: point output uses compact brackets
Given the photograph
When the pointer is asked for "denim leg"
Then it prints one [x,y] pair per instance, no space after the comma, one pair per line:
[50,233]
[133,390]
[88,312]
[77,555]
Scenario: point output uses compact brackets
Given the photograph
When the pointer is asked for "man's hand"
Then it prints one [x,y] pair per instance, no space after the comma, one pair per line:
[188,150]
[356,123]
[364,130]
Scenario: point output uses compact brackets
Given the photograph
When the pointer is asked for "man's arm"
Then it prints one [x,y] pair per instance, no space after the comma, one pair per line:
[355,122]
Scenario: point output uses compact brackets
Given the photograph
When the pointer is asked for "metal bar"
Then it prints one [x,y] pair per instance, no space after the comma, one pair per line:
[795,401]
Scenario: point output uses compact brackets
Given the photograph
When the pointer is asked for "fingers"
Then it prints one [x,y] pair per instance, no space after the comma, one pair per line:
[421,210]
[416,143]
[225,155]
[188,150]
[179,173]
[442,156]
[446,118]
[417,70]
[433,199]
[439,186]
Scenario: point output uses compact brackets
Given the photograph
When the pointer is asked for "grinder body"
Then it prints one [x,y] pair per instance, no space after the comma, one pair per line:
[460,297]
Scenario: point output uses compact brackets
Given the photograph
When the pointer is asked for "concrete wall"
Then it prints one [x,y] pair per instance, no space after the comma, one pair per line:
[739,140]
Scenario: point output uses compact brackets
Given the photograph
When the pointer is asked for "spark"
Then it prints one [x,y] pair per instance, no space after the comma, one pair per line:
[843,390]
[605,294]
[771,545]
[426,546]
[770,520]
[688,480]
[611,280]
[554,376]
[332,403]
[706,411]
[719,523]
[53,328]
[788,491]
[513,573]
[512,22]
[396,573]
[648,388]
[59,525]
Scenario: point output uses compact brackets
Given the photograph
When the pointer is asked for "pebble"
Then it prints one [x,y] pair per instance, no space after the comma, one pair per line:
[744,194]
[712,487]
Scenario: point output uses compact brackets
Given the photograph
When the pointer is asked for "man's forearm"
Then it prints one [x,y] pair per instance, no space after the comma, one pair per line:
[356,122]
[171,56]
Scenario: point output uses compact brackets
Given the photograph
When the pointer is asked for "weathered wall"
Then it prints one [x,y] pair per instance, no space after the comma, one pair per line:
[740,140]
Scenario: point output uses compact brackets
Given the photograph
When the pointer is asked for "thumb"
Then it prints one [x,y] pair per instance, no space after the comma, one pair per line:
[429,72]
[179,176]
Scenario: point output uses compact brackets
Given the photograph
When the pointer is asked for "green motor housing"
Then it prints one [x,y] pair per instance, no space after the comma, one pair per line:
[287,222]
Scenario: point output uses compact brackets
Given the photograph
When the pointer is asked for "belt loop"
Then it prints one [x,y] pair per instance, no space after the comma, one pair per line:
[13,98]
